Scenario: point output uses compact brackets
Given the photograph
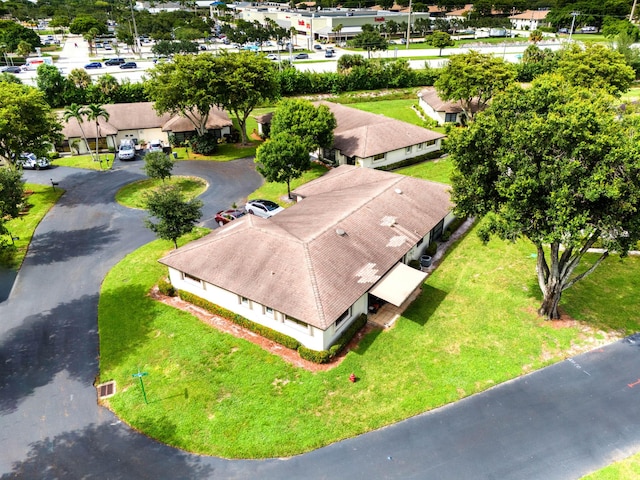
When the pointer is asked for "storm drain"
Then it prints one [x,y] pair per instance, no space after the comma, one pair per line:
[106,390]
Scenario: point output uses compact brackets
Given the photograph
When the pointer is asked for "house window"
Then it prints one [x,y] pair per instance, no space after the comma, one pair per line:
[420,145]
[297,324]
[408,149]
[430,142]
[345,316]
[378,157]
[244,301]
[191,279]
[451,117]
[268,312]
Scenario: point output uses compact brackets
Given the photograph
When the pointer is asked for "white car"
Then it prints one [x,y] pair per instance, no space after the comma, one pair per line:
[127,150]
[263,208]
[29,160]
[155,146]
[272,56]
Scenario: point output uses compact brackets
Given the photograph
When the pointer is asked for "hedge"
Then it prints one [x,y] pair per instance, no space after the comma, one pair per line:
[266,332]
[324,356]
[452,227]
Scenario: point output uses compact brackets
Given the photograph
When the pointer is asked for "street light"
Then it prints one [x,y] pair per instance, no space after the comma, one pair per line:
[573,22]
[135,31]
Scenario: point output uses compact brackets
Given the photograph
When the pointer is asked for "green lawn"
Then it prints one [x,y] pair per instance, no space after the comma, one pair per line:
[624,470]
[474,326]
[39,200]
[438,170]
[86,161]
[134,195]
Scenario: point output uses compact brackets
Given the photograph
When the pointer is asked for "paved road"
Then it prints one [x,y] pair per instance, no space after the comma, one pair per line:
[558,423]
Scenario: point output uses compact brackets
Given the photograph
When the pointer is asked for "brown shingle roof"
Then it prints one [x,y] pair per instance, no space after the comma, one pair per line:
[531,15]
[364,134]
[431,97]
[297,263]
[138,116]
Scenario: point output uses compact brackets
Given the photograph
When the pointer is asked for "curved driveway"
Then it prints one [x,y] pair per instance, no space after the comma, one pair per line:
[560,422]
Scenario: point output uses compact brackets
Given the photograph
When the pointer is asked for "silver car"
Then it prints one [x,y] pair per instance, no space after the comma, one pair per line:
[263,208]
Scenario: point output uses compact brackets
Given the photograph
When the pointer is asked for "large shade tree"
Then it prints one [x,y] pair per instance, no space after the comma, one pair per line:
[312,125]
[188,86]
[473,79]
[11,192]
[27,123]
[245,80]
[552,164]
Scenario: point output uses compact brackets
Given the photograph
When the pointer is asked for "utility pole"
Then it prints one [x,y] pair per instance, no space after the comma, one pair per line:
[135,31]
[573,22]
[633,9]
[409,26]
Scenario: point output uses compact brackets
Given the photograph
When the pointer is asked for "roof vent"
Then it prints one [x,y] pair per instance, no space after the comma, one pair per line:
[340,232]
[398,191]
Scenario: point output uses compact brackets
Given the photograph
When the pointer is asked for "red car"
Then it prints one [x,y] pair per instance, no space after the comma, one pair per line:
[225,216]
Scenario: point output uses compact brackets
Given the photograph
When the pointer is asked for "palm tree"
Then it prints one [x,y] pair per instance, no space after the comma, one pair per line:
[78,112]
[95,112]
[337,29]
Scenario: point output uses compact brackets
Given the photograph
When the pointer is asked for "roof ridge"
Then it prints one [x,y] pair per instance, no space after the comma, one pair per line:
[314,285]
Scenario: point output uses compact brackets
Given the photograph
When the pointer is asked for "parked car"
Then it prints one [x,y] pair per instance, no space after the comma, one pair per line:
[563,30]
[225,216]
[108,47]
[12,69]
[128,65]
[588,30]
[115,61]
[155,146]
[263,208]
[317,47]
[93,65]
[127,150]
[301,56]
[30,161]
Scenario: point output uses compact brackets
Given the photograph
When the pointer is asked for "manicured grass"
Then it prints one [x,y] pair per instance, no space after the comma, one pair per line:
[438,170]
[134,195]
[399,109]
[624,470]
[226,152]
[39,199]
[86,161]
[277,192]
[473,326]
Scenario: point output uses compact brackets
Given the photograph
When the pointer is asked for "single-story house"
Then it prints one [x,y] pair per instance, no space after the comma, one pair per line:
[138,121]
[439,110]
[309,271]
[529,20]
[370,140]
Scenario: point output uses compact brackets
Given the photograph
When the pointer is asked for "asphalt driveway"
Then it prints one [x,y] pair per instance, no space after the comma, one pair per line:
[558,423]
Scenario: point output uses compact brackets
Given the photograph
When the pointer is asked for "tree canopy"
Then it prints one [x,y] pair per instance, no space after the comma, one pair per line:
[175,216]
[553,164]
[158,165]
[440,40]
[11,192]
[369,41]
[27,122]
[473,79]
[313,125]
[596,65]
[282,158]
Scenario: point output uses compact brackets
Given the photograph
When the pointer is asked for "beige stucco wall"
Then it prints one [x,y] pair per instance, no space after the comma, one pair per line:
[399,155]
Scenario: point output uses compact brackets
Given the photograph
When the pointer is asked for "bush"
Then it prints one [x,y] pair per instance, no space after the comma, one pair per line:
[206,144]
[414,264]
[452,227]
[266,332]
[315,356]
[165,288]
[431,249]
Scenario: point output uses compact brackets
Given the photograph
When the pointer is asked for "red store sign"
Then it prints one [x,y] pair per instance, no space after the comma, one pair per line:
[378,19]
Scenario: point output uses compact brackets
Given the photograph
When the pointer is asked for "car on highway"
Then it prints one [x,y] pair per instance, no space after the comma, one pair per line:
[32,162]
[12,69]
[301,56]
[115,61]
[317,47]
[225,216]
[127,150]
[93,65]
[328,53]
[263,208]
[128,65]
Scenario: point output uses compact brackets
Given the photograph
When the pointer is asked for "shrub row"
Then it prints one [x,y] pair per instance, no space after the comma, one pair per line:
[452,227]
[266,332]
[316,356]
[412,161]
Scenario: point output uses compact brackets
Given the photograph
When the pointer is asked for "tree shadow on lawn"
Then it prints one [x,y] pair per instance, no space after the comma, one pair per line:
[114,450]
[62,339]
